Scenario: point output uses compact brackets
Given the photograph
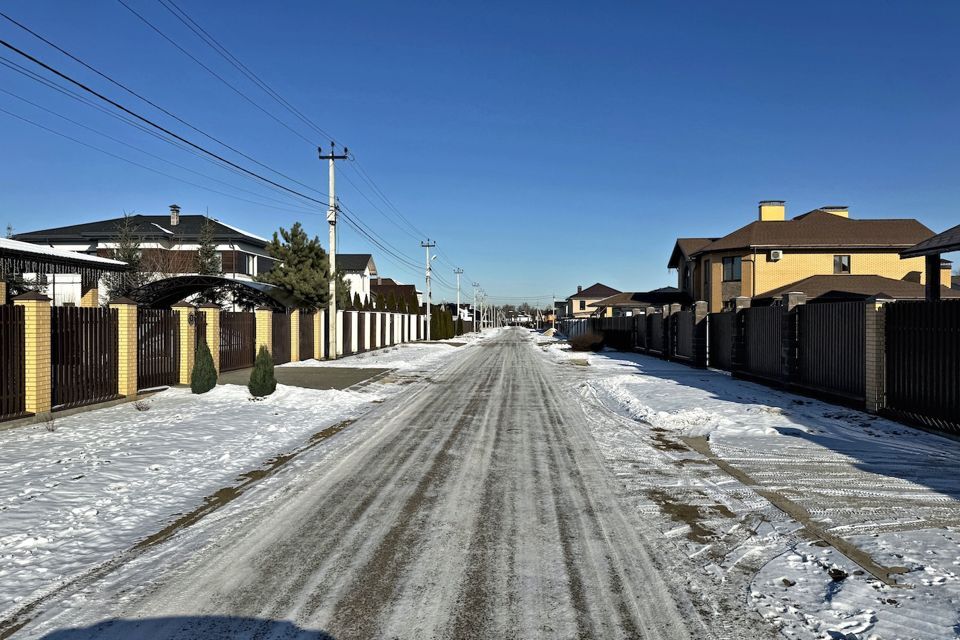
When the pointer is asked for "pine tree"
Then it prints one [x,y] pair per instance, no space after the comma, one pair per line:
[343,291]
[302,270]
[208,261]
[356,301]
[204,376]
[459,326]
[262,380]
[127,240]
[391,302]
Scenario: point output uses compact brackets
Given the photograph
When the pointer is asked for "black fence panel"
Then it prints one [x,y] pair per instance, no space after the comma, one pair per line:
[281,337]
[13,390]
[832,348]
[307,321]
[158,348]
[922,356]
[721,327]
[238,331]
[762,342]
[656,343]
[347,331]
[683,331]
[362,332]
[84,362]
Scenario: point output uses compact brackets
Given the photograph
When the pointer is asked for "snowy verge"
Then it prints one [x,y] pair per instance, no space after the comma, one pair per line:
[402,357]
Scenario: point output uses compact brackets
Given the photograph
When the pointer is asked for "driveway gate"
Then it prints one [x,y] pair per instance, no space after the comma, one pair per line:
[158,348]
[83,356]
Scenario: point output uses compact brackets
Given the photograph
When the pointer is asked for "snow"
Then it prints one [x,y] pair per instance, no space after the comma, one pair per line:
[887,490]
[403,357]
[239,230]
[98,482]
[29,247]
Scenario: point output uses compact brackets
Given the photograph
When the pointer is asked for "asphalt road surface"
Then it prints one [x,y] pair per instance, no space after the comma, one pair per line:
[478,507]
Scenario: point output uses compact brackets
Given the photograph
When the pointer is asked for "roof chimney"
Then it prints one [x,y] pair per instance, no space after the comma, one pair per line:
[579,288]
[837,210]
[174,215]
[773,210]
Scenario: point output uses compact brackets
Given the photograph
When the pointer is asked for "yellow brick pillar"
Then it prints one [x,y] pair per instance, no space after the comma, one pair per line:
[126,345]
[36,316]
[264,329]
[318,335]
[211,314]
[90,298]
[188,340]
[295,335]
[3,292]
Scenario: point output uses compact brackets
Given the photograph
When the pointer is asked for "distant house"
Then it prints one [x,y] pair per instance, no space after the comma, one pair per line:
[581,304]
[358,269]
[630,303]
[169,243]
[772,252]
[930,250]
[385,286]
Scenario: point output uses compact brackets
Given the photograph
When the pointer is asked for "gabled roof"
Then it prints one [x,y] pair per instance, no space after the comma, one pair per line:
[597,290]
[820,229]
[856,287]
[148,227]
[638,299]
[944,242]
[355,262]
[686,247]
[10,247]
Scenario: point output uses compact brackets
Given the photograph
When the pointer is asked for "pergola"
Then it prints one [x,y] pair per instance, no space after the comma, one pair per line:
[18,258]
[160,294]
[932,248]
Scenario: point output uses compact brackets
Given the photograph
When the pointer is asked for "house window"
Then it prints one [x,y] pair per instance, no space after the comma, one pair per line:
[582,304]
[731,269]
[841,264]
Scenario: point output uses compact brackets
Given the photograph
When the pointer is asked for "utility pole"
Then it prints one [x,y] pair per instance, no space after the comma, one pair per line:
[475,326]
[332,219]
[457,271]
[553,311]
[428,245]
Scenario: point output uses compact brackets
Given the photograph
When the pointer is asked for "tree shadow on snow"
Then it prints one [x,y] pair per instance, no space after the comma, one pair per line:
[190,628]
[873,444]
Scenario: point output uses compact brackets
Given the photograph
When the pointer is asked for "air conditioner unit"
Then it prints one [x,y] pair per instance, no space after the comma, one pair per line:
[775,255]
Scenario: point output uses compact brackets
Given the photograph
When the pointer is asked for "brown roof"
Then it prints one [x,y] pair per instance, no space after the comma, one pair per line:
[818,228]
[687,247]
[597,290]
[638,299]
[944,242]
[856,287]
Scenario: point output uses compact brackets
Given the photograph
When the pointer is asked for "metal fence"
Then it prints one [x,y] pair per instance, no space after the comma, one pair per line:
[347,330]
[831,348]
[13,391]
[281,337]
[721,327]
[655,338]
[761,333]
[158,348]
[362,332]
[923,362]
[238,330]
[83,356]
[682,330]
[307,321]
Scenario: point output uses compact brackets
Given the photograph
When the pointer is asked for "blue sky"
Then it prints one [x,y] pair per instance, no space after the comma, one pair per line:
[543,145]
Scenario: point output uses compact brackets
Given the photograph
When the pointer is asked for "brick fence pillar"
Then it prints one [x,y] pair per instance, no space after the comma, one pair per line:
[188,340]
[3,291]
[90,298]
[790,336]
[339,335]
[36,357]
[211,315]
[264,329]
[126,346]
[295,335]
[319,337]
[875,365]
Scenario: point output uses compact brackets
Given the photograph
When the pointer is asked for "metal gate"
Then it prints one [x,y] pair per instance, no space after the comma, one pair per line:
[281,337]
[307,321]
[721,328]
[923,362]
[762,343]
[238,330]
[832,348]
[13,391]
[158,348]
[84,363]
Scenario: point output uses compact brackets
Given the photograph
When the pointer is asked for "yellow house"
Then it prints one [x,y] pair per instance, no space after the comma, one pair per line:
[582,303]
[772,252]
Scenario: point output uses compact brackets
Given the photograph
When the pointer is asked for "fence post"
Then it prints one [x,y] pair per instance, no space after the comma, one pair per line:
[89,297]
[875,349]
[295,335]
[319,334]
[367,319]
[700,334]
[670,318]
[789,336]
[3,291]
[378,318]
[740,303]
[354,332]
[36,357]
[188,339]
[264,329]
[339,346]
[126,346]
[211,315]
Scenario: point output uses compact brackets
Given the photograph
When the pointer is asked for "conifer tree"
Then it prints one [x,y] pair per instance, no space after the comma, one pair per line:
[127,249]
[356,301]
[204,376]
[208,261]
[262,380]
[302,270]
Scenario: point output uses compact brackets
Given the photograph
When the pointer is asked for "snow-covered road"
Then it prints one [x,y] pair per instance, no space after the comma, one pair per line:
[476,505]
